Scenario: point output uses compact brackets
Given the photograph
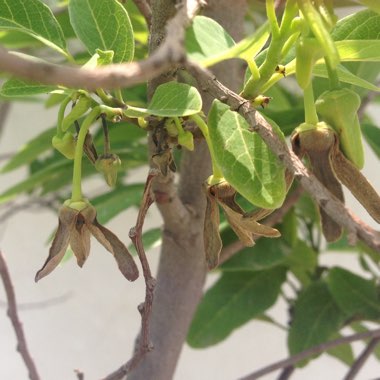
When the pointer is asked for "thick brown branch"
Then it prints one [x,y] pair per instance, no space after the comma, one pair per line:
[22,347]
[143,345]
[311,352]
[360,361]
[323,197]
[170,52]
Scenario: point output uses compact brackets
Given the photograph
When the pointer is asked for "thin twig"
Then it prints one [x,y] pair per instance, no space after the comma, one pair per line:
[273,219]
[4,112]
[144,345]
[79,373]
[333,207]
[22,347]
[286,373]
[311,352]
[145,10]
[170,53]
[362,358]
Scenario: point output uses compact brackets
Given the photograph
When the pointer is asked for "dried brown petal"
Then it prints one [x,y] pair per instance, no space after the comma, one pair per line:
[80,240]
[318,144]
[67,218]
[112,243]
[164,161]
[356,182]
[212,241]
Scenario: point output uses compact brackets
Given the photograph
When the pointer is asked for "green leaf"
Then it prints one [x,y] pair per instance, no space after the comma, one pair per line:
[372,136]
[46,174]
[355,295]
[206,39]
[360,328]
[34,18]
[343,352]
[105,25]
[151,239]
[175,99]
[30,151]
[244,159]
[110,204]
[363,25]
[18,87]
[235,299]
[316,318]
[359,50]
[265,254]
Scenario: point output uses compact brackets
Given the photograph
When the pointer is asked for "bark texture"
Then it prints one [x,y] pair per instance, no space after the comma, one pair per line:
[182,267]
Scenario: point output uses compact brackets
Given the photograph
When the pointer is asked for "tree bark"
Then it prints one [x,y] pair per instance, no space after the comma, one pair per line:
[182,266]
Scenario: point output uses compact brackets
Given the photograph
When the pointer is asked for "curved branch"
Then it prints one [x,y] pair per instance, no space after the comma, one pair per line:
[311,352]
[170,52]
[22,346]
[309,182]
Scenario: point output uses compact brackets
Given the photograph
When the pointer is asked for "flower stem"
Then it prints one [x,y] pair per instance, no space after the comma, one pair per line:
[311,116]
[61,115]
[217,174]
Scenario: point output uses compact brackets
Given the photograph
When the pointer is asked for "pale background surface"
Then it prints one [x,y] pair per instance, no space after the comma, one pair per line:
[93,325]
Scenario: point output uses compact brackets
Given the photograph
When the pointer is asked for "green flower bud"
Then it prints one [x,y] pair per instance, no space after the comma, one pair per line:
[308,51]
[339,109]
[83,104]
[65,145]
[186,139]
[108,165]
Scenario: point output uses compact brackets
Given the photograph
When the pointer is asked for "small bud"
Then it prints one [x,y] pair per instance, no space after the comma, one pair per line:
[108,165]
[261,100]
[281,69]
[186,139]
[65,145]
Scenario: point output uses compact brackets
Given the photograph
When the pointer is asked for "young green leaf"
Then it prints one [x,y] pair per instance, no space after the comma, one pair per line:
[175,99]
[235,299]
[30,151]
[35,18]
[363,25]
[18,87]
[244,159]
[105,25]
[343,352]
[316,318]
[355,295]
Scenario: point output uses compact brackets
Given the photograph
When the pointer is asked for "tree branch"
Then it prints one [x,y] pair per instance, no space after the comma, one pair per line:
[22,346]
[310,183]
[170,52]
[145,10]
[143,345]
[311,352]
[360,361]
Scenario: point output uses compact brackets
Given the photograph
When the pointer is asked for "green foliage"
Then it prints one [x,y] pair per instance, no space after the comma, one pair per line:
[320,300]
[103,25]
[244,159]
[234,300]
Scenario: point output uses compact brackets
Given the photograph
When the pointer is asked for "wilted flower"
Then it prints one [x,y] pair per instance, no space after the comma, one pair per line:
[321,145]
[77,221]
[244,225]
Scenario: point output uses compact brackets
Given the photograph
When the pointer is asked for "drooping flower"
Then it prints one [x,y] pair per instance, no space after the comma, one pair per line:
[77,222]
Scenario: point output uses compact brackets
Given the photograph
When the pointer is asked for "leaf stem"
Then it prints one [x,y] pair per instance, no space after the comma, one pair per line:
[334,82]
[217,174]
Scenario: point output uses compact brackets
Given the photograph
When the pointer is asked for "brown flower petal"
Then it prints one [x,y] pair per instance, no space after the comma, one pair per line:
[356,182]
[318,144]
[212,241]
[67,218]
[112,244]
[80,240]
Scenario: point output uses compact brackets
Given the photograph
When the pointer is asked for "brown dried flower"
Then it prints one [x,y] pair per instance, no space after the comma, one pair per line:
[77,221]
[244,225]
